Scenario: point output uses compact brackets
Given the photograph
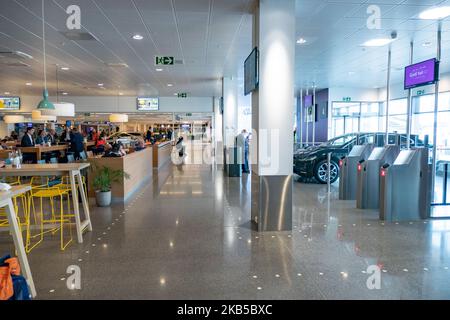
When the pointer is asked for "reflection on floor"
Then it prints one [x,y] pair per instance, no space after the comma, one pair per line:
[187,235]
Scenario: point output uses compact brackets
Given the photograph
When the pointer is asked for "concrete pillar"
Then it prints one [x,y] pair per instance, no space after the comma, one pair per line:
[272,109]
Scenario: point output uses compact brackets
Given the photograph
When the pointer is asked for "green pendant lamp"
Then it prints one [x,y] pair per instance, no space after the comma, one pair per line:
[44,104]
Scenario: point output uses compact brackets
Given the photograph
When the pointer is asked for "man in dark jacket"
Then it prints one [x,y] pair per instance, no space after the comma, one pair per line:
[76,143]
[27,139]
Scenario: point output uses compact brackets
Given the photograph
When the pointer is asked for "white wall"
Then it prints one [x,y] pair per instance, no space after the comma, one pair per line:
[126,104]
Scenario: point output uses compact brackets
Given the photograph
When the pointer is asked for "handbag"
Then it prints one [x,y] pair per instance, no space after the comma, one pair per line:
[6,283]
[13,286]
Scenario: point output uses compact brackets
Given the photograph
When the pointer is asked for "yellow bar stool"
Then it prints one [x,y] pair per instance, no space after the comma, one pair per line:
[65,185]
[22,212]
[59,220]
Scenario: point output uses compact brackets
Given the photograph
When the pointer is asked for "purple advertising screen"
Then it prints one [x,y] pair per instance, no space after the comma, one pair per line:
[421,74]
[308,101]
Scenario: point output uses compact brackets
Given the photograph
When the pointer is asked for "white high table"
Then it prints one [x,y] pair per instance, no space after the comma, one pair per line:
[73,170]
[6,201]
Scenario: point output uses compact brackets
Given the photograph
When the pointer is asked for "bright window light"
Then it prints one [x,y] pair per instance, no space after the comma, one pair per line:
[377,42]
[435,13]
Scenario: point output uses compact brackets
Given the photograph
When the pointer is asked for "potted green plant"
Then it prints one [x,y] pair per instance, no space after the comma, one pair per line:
[104,178]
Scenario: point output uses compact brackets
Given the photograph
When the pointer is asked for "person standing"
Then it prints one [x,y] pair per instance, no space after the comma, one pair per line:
[242,143]
[76,142]
[27,139]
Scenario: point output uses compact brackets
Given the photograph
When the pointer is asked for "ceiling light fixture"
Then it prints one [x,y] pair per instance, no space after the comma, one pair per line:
[380,42]
[138,37]
[301,41]
[159,69]
[28,84]
[44,104]
[14,119]
[170,85]
[64,93]
[7,93]
[437,13]
[65,68]
[100,84]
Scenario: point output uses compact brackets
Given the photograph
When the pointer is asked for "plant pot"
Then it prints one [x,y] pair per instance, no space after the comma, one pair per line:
[103,198]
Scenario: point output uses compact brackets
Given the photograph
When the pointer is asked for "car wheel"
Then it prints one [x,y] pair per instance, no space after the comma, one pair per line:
[321,171]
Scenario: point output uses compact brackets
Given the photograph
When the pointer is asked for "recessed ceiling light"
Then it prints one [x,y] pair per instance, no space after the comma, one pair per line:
[100,84]
[65,68]
[351,73]
[435,13]
[159,69]
[120,94]
[301,41]
[377,42]
[138,37]
[7,92]
[28,84]
[170,85]
[175,94]
[427,44]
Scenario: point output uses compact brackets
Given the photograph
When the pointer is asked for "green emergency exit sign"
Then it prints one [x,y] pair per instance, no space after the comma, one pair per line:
[164,61]
[346,99]
[182,95]
[188,114]
[420,92]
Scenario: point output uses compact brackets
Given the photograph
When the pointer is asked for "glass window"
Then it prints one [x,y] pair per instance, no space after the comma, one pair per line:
[399,106]
[340,141]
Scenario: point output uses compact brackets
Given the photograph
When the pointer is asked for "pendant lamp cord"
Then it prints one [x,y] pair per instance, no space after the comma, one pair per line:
[43,42]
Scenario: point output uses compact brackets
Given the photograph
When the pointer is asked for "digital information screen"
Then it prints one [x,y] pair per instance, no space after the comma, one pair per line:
[147,104]
[420,74]
[9,103]
[251,77]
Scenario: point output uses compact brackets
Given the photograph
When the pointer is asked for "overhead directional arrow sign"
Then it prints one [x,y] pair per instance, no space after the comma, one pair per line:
[165,61]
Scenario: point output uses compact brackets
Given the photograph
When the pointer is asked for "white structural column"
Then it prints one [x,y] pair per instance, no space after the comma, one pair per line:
[272,115]
[217,132]
[230,110]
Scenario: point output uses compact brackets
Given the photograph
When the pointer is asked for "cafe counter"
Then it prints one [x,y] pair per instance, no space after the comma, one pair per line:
[161,154]
[137,164]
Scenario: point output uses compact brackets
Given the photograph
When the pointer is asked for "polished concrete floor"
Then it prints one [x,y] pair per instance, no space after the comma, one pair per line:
[187,235]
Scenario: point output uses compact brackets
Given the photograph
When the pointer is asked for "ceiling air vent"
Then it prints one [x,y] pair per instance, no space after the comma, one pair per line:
[77,36]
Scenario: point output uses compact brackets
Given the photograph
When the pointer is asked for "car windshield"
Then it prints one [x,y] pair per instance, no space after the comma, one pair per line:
[339,141]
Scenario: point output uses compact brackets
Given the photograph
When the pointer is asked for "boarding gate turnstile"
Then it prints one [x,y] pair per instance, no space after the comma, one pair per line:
[368,181]
[405,187]
[348,171]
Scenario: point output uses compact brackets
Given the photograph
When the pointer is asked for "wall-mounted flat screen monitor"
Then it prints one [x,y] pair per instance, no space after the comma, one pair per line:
[147,104]
[251,72]
[421,74]
[9,103]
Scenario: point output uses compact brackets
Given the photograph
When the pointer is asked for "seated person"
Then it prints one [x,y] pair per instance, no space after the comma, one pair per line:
[42,137]
[100,145]
[139,145]
[115,151]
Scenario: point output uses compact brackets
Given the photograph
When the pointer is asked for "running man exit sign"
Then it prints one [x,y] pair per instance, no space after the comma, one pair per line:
[164,61]
[182,95]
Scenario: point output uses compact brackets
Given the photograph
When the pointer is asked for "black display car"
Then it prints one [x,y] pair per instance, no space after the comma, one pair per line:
[312,162]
